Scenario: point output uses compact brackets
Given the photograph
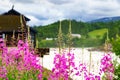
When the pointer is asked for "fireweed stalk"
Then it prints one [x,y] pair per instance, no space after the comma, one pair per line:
[19,63]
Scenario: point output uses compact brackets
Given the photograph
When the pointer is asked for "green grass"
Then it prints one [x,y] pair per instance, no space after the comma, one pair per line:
[47,43]
[97,33]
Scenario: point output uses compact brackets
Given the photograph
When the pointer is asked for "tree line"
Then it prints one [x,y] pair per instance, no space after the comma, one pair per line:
[77,27]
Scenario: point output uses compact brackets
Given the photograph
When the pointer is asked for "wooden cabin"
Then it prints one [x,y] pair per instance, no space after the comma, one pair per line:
[13,27]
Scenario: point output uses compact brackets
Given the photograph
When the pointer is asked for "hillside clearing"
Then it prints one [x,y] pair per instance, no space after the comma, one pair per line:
[97,33]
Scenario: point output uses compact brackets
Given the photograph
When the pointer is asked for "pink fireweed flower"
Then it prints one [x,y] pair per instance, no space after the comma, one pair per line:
[3,73]
[62,65]
[40,77]
[107,66]
[20,58]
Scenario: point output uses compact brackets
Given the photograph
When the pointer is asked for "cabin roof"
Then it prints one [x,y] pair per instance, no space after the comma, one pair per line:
[14,12]
[8,23]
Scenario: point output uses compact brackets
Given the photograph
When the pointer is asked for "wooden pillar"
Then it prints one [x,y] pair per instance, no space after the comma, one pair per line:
[1,34]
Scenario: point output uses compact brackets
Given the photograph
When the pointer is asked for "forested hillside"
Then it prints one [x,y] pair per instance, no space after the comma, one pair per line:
[82,28]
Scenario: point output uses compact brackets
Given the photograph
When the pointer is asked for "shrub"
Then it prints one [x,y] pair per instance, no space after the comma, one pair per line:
[116,45]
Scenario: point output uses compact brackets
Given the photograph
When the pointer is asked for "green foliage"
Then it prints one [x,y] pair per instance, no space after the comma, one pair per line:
[86,42]
[116,45]
[117,70]
[114,28]
[45,78]
[117,73]
[48,43]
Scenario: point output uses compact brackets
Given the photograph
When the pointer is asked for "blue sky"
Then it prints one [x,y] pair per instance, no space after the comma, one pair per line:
[44,12]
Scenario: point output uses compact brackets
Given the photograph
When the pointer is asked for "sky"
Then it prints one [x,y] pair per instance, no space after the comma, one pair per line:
[44,12]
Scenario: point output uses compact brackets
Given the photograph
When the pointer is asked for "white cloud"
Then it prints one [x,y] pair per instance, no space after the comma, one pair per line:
[4,5]
[59,2]
[34,21]
[43,12]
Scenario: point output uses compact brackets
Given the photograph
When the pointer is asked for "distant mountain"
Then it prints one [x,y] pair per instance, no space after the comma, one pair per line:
[106,19]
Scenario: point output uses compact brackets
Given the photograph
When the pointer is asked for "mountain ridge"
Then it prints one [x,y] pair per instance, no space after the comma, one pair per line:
[106,19]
